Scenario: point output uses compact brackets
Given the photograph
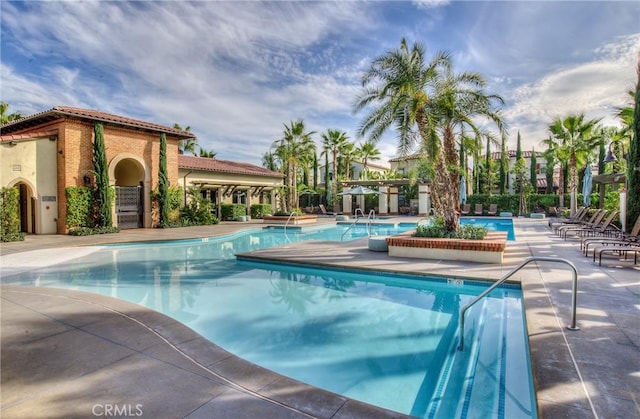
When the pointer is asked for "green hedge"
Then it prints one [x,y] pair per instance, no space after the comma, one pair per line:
[230,212]
[539,202]
[10,215]
[80,207]
[259,210]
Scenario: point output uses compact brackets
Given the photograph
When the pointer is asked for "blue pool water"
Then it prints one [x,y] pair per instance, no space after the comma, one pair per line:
[385,339]
[494,224]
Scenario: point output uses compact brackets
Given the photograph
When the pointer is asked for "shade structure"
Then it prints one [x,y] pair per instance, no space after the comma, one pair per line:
[587,186]
[359,190]
[463,190]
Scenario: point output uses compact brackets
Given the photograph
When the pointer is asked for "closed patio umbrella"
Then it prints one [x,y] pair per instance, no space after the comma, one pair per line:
[463,190]
[587,186]
[359,190]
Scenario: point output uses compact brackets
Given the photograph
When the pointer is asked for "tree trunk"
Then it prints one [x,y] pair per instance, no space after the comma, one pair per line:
[446,189]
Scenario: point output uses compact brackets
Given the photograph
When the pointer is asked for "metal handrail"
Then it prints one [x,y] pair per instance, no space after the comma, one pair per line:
[287,223]
[358,219]
[574,293]
[370,218]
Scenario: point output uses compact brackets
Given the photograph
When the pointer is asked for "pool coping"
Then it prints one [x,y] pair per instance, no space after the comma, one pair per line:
[571,379]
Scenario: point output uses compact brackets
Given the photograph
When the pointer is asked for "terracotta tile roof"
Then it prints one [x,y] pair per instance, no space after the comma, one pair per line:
[225,166]
[29,135]
[408,157]
[526,154]
[91,115]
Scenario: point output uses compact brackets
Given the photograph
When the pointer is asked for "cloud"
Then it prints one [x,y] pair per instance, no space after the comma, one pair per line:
[594,88]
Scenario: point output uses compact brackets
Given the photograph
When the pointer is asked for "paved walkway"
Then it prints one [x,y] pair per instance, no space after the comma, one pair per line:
[73,354]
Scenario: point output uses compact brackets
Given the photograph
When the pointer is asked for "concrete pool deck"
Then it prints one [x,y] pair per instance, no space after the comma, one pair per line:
[74,354]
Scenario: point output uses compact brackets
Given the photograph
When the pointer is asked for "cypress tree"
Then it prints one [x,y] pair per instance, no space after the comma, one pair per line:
[487,164]
[163,183]
[101,172]
[550,160]
[533,170]
[504,165]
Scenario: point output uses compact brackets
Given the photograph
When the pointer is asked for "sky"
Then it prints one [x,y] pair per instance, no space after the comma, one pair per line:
[236,72]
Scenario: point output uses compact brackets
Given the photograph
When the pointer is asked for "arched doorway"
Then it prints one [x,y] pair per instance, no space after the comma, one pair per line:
[129,175]
[27,205]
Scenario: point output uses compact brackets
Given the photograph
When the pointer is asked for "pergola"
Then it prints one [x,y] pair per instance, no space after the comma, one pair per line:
[608,179]
[388,198]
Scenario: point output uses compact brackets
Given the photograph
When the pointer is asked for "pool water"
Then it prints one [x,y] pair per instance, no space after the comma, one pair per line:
[385,339]
[493,224]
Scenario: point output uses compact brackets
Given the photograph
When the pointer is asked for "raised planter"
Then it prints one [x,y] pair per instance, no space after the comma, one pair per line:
[295,220]
[489,250]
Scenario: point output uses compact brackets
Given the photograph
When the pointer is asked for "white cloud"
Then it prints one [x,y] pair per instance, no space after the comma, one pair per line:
[594,88]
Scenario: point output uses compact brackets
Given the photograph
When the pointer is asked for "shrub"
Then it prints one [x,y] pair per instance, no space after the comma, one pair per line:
[10,215]
[89,231]
[231,212]
[81,211]
[259,210]
[436,229]
[198,211]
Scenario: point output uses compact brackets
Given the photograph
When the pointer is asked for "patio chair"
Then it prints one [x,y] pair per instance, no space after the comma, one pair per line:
[478,210]
[493,209]
[600,223]
[620,250]
[323,210]
[580,214]
[595,219]
[466,209]
[572,222]
[619,239]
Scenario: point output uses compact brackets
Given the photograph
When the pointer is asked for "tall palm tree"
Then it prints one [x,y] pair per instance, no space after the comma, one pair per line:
[349,153]
[333,142]
[5,117]
[577,137]
[206,153]
[269,160]
[294,147]
[188,144]
[368,151]
[430,105]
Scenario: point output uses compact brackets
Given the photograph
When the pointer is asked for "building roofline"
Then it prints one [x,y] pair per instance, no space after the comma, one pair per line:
[59,112]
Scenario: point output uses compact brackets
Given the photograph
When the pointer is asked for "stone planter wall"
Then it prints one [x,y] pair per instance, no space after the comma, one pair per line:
[489,250]
[282,219]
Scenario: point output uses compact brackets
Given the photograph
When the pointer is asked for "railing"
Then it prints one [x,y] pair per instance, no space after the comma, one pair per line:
[286,224]
[499,282]
[372,215]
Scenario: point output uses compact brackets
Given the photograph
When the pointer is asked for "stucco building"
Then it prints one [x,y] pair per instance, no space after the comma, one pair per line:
[45,153]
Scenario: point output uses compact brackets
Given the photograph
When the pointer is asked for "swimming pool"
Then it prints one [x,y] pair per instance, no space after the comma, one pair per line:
[384,339]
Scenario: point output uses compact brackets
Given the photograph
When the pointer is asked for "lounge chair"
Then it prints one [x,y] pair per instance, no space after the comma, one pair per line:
[493,209]
[323,210]
[478,210]
[619,239]
[617,249]
[466,209]
[580,214]
[577,222]
[600,223]
[595,219]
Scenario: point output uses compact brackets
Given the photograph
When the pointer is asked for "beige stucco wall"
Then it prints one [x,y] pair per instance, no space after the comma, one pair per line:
[33,162]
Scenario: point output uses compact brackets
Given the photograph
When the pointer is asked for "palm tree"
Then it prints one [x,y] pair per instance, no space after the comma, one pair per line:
[577,138]
[368,151]
[633,157]
[188,144]
[295,146]
[5,117]
[333,142]
[428,104]
[269,160]
[348,153]
[210,154]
